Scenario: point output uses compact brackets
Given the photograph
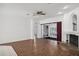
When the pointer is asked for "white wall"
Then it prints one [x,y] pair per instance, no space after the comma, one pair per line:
[49,20]
[68,20]
[36,28]
[14,24]
[68,27]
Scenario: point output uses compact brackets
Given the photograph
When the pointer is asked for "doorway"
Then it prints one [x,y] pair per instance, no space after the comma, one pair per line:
[52,31]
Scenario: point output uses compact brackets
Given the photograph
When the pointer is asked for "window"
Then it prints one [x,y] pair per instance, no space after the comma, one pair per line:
[74,22]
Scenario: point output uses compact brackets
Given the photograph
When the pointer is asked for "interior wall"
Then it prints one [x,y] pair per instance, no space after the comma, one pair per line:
[68,20]
[68,27]
[14,24]
[53,19]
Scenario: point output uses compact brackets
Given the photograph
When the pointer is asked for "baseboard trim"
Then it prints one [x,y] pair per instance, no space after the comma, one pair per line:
[14,41]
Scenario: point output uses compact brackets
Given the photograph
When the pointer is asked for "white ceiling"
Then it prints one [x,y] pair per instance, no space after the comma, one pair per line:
[51,9]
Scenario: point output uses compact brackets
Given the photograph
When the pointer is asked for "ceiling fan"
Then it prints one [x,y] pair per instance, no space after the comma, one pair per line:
[39,13]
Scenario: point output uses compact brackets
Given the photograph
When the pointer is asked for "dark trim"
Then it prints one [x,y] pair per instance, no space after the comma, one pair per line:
[49,23]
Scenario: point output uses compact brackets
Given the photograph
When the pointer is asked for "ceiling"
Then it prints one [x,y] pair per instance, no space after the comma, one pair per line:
[51,9]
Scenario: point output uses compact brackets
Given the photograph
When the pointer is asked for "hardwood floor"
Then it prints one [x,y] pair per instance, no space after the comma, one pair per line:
[43,47]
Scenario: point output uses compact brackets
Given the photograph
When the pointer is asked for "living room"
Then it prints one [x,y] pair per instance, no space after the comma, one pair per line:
[39,29]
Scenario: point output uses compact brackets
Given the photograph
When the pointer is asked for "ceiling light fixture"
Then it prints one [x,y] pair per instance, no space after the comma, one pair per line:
[59,12]
[65,7]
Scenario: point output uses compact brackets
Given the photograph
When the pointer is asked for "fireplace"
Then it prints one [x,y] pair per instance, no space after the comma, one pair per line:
[74,40]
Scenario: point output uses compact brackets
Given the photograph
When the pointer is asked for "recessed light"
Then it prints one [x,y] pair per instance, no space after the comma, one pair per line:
[65,7]
[59,13]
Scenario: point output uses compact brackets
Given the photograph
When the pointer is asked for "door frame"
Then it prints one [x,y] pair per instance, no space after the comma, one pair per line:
[59,31]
